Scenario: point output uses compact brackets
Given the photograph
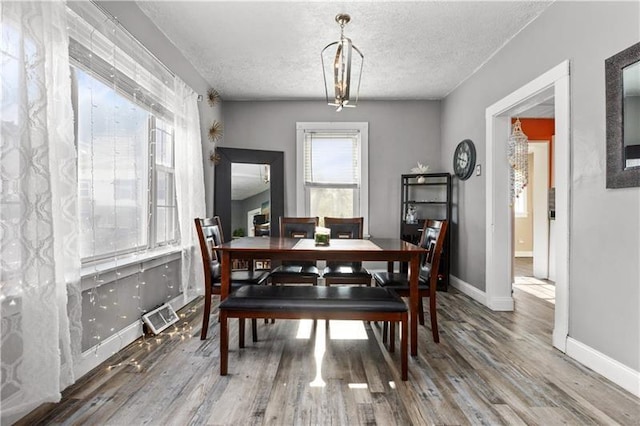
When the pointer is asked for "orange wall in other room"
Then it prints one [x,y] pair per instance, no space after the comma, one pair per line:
[541,129]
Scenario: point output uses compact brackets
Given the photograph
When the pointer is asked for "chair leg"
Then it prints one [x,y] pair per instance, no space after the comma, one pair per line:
[205,318]
[254,330]
[241,332]
[392,336]
[385,327]
[434,319]
[224,344]
[420,311]
[404,347]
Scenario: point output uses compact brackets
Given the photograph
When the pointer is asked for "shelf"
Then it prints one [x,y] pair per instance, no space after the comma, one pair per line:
[425,202]
[435,187]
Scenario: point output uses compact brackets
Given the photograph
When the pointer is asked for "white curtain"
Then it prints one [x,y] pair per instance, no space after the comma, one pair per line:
[39,260]
[189,185]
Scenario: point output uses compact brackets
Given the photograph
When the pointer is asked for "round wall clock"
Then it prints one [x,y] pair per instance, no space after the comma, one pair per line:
[464,159]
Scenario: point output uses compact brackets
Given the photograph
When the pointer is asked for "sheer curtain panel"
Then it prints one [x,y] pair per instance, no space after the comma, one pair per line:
[189,185]
[39,257]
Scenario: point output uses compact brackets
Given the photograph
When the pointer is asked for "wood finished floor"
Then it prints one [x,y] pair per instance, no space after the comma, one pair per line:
[490,368]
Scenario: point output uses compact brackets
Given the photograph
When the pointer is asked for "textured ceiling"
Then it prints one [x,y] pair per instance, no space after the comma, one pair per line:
[271,50]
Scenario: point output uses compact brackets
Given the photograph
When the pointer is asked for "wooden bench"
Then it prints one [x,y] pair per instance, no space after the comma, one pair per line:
[312,302]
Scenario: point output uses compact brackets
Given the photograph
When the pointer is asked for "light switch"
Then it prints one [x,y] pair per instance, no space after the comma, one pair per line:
[478,170]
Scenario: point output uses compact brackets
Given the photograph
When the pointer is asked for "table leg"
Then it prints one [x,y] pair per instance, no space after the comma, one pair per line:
[413,302]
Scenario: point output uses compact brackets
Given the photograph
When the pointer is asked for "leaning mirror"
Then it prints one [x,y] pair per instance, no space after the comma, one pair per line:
[250,199]
[249,191]
[623,118]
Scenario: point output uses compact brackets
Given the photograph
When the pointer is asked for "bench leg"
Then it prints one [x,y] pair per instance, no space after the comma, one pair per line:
[224,343]
[385,327]
[254,330]
[404,348]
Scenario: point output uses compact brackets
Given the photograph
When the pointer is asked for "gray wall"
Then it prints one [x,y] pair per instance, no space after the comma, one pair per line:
[401,133]
[604,223]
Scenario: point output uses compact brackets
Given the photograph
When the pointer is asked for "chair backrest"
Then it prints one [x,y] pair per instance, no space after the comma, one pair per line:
[298,227]
[344,227]
[210,236]
[432,239]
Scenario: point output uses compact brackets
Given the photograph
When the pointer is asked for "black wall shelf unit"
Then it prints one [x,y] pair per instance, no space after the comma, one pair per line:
[430,195]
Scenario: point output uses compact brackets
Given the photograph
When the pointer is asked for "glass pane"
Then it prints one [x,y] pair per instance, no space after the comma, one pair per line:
[112,164]
[332,202]
[164,144]
[332,159]
[166,225]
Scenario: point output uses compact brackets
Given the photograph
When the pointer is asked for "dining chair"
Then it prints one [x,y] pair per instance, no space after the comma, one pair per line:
[432,239]
[293,271]
[210,236]
[345,272]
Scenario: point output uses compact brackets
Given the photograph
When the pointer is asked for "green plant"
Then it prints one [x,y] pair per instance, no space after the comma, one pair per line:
[238,232]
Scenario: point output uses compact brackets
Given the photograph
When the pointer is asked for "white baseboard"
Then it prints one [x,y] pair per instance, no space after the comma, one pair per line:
[466,288]
[98,354]
[523,254]
[618,373]
[505,304]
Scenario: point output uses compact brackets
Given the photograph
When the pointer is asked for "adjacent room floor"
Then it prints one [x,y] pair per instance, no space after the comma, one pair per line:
[490,368]
[525,281]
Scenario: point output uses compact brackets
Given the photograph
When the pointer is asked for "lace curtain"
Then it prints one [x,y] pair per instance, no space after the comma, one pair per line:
[39,259]
[189,185]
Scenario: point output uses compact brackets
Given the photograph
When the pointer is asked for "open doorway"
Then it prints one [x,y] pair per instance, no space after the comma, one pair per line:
[554,84]
[533,210]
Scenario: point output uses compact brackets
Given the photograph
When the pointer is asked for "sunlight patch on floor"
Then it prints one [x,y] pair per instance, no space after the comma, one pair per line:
[347,330]
[538,288]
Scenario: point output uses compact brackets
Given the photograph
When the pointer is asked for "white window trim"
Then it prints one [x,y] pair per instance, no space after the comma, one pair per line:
[363,128]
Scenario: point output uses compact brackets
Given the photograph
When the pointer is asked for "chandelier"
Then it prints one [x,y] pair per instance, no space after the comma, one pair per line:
[340,66]
[518,160]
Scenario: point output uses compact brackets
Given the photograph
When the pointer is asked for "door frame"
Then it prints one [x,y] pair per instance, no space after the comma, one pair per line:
[499,234]
[540,210]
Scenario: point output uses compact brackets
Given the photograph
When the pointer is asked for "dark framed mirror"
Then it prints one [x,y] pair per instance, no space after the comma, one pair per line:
[623,118]
[256,177]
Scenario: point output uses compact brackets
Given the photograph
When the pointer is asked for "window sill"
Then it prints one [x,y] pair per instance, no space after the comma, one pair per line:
[99,273]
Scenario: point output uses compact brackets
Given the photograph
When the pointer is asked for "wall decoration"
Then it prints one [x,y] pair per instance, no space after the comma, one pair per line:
[215,131]
[464,159]
[213,97]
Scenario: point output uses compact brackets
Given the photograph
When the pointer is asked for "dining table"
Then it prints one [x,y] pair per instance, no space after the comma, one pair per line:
[346,250]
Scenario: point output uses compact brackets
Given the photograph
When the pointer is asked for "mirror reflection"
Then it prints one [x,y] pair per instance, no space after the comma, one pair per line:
[631,114]
[250,199]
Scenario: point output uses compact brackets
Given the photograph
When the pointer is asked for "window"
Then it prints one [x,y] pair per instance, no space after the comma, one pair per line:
[122,101]
[520,204]
[333,170]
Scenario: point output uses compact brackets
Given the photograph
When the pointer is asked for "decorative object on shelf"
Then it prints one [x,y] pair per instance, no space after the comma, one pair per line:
[213,97]
[322,236]
[338,68]
[215,131]
[464,159]
[412,215]
[420,169]
[518,145]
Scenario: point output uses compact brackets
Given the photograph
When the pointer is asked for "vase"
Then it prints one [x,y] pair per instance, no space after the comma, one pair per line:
[421,179]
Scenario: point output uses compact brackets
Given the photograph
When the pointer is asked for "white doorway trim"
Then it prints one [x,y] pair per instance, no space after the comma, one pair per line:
[540,199]
[251,230]
[499,239]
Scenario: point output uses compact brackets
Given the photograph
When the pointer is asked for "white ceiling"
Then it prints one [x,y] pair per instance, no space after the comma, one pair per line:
[271,50]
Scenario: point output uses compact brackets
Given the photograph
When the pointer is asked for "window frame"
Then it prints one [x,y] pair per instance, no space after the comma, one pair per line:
[151,172]
[302,195]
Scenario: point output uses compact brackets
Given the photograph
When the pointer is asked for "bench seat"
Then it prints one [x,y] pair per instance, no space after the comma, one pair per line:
[313,302]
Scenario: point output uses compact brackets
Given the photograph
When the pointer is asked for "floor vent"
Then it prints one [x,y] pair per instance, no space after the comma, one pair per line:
[160,318]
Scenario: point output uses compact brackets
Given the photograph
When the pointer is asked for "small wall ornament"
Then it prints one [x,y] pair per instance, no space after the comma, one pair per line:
[213,97]
[215,131]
